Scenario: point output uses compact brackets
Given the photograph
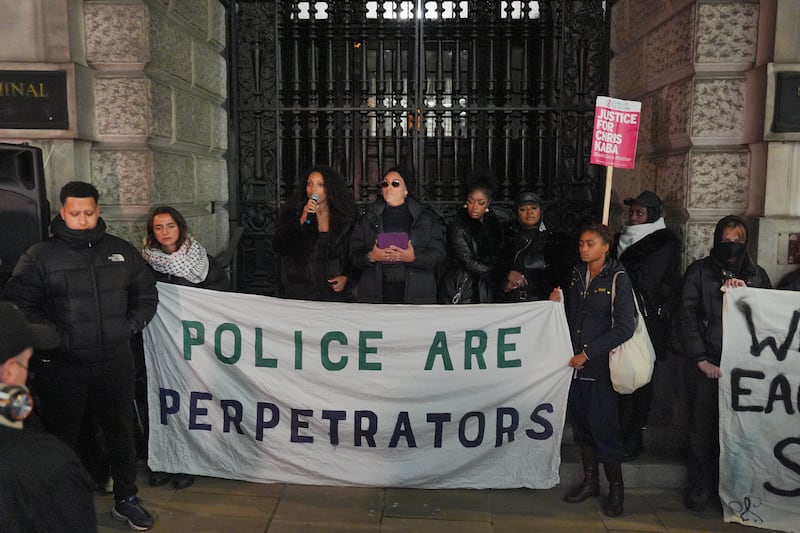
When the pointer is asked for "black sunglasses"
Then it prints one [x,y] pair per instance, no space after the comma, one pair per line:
[395,184]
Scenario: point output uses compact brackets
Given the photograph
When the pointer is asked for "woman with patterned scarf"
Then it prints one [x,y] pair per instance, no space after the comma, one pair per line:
[176,257]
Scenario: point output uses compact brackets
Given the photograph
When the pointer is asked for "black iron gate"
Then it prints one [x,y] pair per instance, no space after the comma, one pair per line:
[449,89]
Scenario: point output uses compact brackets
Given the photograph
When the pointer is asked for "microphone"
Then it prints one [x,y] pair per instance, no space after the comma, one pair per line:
[311,217]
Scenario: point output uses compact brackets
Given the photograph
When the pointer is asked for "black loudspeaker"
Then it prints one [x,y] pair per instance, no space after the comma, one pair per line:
[24,210]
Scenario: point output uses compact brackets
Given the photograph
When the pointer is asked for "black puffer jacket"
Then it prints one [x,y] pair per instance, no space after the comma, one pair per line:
[306,266]
[590,319]
[428,239]
[700,331]
[473,248]
[94,288]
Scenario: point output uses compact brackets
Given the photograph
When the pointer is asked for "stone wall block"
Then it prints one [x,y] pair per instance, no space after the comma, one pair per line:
[678,98]
[194,12]
[170,48]
[116,33]
[192,119]
[699,239]
[719,180]
[174,178]
[131,231]
[727,32]
[210,70]
[219,129]
[211,175]
[121,106]
[161,116]
[671,171]
[627,66]
[223,227]
[669,47]
[216,24]
[122,177]
[204,228]
[718,107]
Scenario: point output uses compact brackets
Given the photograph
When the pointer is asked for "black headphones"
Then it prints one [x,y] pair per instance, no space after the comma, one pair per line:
[16,403]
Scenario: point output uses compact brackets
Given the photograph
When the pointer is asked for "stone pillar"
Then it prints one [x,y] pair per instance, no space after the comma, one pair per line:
[147,82]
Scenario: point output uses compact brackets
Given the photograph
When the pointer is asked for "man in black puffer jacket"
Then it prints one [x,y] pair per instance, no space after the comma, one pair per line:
[97,292]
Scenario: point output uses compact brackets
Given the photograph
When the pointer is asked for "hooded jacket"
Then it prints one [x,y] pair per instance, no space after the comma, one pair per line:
[700,331]
[94,288]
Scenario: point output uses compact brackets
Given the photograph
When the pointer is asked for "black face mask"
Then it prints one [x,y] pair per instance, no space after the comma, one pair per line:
[729,253]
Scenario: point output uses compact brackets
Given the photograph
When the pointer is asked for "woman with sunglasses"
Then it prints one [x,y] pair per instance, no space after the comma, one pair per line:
[396,245]
[313,235]
[474,240]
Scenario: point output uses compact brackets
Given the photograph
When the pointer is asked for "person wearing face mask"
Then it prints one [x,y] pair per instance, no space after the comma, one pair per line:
[649,251]
[474,239]
[700,334]
[396,245]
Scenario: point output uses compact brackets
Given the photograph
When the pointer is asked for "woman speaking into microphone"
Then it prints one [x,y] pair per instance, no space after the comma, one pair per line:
[312,238]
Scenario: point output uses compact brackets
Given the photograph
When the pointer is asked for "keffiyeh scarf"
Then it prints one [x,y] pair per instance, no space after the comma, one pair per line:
[189,262]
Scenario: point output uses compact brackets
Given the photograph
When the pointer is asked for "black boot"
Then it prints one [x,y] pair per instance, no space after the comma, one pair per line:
[616,489]
[590,486]
[633,445]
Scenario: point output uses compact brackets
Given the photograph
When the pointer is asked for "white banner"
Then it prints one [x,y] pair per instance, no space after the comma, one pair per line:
[759,406]
[269,390]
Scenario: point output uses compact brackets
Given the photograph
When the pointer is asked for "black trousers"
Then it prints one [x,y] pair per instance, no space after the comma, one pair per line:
[63,391]
[594,415]
[702,398]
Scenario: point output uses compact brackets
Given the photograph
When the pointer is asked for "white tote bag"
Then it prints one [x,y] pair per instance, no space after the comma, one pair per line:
[631,363]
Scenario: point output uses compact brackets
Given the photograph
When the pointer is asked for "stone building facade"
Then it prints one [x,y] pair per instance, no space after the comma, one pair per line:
[146,84]
[705,73]
[147,92]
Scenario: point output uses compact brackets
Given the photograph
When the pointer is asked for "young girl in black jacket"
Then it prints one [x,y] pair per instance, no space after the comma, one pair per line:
[596,327]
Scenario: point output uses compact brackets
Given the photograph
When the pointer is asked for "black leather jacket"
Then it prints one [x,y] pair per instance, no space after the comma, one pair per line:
[473,248]
[94,288]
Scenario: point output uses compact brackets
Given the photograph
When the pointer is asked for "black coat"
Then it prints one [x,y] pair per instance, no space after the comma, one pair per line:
[590,319]
[216,279]
[94,288]
[653,264]
[306,266]
[535,254]
[700,331]
[428,239]
[43,485]
[474,249]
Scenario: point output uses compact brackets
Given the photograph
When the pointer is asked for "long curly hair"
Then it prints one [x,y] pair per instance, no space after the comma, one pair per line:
[340,197]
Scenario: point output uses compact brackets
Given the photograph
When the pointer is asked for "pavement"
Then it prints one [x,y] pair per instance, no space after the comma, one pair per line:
[220,505]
